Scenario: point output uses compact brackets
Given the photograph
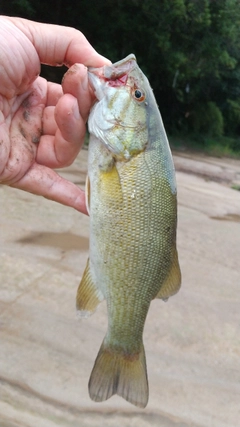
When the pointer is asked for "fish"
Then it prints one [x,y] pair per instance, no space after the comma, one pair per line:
[132,202]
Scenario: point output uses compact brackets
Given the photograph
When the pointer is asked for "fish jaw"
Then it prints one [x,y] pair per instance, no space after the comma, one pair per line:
[115,72]
[114,75]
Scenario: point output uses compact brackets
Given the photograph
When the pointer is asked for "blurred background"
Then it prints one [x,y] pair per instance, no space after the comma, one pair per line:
[189,49]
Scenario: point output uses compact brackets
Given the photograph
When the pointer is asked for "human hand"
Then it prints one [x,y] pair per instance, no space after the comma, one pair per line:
[42,124]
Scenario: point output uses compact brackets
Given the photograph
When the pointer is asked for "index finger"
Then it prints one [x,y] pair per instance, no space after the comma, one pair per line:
[45,182]
[57,45]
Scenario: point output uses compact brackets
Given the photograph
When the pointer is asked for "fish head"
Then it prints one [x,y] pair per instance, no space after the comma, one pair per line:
[119,118]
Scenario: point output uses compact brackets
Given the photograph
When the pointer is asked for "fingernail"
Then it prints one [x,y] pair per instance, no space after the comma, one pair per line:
[76,111]
[106,60]
[84,82]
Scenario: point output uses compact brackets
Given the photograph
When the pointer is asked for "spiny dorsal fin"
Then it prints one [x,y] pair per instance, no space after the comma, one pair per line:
[88,295]
[172,283]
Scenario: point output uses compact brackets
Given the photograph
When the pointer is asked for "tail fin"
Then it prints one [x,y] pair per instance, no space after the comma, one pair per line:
[119,373]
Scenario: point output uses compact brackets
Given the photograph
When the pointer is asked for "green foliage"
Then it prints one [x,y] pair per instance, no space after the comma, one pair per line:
[236,187]
[218,147]
[213,146]
[207,119]
[232,116]
[24,6]
[189,49]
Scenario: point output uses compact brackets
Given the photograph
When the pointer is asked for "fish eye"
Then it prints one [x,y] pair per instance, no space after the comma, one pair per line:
[139,95]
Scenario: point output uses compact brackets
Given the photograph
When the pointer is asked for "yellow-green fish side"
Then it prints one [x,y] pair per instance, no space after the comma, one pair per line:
[133,257]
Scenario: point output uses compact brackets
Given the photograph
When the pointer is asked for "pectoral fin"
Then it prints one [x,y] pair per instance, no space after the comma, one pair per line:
[88,295]
[172,283]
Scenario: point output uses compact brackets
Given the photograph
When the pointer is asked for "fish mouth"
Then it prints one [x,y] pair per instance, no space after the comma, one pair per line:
[120,68]
[114,75]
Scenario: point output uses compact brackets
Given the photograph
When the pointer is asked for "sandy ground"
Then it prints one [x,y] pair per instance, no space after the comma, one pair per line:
[192,342]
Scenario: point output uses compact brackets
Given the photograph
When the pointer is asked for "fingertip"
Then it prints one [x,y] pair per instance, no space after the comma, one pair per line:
[75,82]
[98,60]
[71,129]
[67,112]
[74,78]
[80,203]
[42,181]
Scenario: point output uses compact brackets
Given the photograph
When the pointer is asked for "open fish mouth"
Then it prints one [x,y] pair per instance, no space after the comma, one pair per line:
[113,75]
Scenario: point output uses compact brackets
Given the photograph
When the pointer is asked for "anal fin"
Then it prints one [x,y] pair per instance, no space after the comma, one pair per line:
[88,295]
[172,283]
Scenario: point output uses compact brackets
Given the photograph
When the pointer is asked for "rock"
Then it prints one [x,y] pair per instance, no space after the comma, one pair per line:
[192,342]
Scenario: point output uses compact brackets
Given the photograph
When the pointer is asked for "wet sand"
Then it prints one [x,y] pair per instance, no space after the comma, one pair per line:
[192,342]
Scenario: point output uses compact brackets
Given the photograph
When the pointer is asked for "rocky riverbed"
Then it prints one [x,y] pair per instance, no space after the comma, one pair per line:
[192,342]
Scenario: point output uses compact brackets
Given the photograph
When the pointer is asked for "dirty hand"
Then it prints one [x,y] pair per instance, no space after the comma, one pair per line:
[42,124]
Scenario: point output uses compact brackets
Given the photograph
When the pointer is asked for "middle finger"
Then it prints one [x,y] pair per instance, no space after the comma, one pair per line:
[75,82]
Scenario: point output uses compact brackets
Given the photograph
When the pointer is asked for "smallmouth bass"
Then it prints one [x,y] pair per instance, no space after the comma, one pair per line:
[131,197]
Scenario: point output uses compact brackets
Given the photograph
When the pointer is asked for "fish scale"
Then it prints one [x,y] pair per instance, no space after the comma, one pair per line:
[133,218]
